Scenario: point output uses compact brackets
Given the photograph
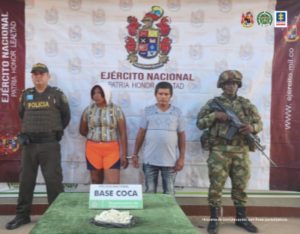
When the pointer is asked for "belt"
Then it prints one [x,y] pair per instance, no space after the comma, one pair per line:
[43,137]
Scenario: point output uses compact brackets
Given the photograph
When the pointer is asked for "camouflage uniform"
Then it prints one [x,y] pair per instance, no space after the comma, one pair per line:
[228,158]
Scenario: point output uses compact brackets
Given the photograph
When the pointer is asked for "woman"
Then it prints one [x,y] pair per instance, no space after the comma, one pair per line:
[103,124]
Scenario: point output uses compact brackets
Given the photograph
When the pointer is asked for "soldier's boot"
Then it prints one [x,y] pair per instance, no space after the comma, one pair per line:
[213,224]
[242,220]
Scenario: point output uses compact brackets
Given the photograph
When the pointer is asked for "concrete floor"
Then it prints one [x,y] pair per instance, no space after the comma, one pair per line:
[265,225]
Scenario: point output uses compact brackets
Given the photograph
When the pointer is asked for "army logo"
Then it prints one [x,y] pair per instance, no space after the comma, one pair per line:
[51,15]
[75,4]
[75,65]
[148,43]
[225,5]
[292,34]
[197,18]
[264,18]
[247,20]
[51,48]
[8,144]
[98,16]
[125,4]
[174,5]
[293,31]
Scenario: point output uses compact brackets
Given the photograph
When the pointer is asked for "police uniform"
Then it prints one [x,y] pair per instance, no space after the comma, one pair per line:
[228,157]
[44,117]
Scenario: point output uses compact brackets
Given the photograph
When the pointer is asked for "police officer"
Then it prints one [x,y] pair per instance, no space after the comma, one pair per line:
[44,113]
[229,157]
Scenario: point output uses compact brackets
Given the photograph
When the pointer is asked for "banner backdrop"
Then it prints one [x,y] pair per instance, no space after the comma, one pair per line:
[285,118]
[132,45]
[12,69]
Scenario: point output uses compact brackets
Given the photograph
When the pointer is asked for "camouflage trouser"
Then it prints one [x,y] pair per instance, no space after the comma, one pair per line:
[223,164]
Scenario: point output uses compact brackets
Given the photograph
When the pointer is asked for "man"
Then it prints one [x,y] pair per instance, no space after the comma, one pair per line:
[44,113]
[229,157]
[162,132]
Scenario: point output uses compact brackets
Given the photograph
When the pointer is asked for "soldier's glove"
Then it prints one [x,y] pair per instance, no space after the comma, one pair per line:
[23,139]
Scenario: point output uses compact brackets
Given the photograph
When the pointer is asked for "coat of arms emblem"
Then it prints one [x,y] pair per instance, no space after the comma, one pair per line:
[247,20]
[148,43]
[8,144]
[292,33]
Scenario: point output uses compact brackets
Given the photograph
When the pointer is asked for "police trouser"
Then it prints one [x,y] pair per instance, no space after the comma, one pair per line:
[222,164]
[48,156]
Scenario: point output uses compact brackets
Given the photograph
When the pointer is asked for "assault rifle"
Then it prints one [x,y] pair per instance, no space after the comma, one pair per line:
[235,124]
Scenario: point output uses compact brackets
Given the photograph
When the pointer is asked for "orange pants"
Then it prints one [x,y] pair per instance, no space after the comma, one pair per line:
[102,155]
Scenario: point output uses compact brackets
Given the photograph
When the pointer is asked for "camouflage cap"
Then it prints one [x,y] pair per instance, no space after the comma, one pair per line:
[232,75]
[39,67]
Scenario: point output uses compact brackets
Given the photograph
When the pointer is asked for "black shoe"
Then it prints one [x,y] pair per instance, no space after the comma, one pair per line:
[17,222]
[242,220]
[247,225]
[213,225]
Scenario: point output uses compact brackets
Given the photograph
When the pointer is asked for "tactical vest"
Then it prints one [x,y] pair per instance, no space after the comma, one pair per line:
[41,111]
[217,132]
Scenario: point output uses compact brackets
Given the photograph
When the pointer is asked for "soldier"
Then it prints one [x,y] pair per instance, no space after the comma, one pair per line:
[228,157]
[44,113]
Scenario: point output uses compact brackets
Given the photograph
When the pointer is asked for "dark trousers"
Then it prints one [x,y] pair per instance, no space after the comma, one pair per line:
[48,156]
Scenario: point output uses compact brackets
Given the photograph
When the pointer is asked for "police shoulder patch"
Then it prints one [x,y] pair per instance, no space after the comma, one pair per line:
[64,98]
[61,93]
[29,90]
[57,89]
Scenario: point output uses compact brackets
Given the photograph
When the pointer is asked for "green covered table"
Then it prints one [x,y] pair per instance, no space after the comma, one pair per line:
[69,214]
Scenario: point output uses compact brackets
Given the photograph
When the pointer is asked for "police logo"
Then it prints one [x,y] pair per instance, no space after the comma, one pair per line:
[247,20]
[264,18]
[147,42]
